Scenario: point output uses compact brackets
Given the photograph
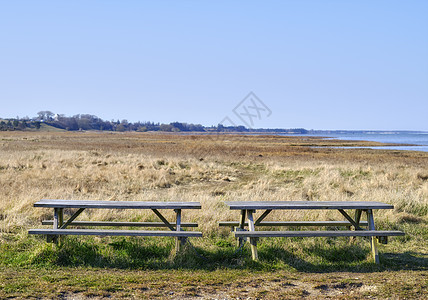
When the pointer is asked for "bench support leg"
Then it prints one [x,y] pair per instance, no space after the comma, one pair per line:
[373,239]
[253,241]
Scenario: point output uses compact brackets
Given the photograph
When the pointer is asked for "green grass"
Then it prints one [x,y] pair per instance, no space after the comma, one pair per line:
[149,268]
[210,253]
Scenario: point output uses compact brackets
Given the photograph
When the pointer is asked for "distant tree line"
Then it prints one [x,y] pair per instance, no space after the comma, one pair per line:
[90,122]
[17,124]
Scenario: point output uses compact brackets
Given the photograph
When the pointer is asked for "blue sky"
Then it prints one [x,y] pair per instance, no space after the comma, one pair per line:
[314,64]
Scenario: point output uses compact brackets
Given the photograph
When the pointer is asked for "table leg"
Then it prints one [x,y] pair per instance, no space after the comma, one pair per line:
[253,241]
[60,217]
[373,239]
[241,227]
[56,222]
[60,222]
[242,223]
[357,221]
[179,241]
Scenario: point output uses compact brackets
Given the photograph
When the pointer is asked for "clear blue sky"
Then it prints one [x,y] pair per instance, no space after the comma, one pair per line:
[315,64]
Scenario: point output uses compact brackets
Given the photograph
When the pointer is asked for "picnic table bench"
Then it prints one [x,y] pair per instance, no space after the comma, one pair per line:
[60,226]
[248,209]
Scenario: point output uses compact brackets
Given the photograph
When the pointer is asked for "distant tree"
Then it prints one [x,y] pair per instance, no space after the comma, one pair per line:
[45,115]
[49,115]
[166,127]
[120,128]
[22,125]
[179,126]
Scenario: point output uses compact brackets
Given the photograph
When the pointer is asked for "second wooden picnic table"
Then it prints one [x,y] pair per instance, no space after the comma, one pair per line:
[248,209]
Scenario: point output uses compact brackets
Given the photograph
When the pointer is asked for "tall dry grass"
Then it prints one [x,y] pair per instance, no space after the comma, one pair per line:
[164,168]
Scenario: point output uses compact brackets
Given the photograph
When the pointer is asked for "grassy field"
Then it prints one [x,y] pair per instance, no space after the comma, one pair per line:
[211,170]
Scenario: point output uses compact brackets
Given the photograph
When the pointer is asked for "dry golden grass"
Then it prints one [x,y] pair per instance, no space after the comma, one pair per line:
[209,169]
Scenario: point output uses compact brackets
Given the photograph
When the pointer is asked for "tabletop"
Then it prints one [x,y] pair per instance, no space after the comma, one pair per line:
[253,205]
[116,204]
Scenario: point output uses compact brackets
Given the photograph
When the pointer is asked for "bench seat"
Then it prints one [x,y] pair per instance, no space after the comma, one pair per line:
[294,223]
[126,224]
[116,232]
[308,233]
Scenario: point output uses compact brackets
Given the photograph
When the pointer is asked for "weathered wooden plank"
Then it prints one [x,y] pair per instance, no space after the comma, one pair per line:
[293,223]
[116,204]
[126,224]
[338,233]
[115,232]
[254,205]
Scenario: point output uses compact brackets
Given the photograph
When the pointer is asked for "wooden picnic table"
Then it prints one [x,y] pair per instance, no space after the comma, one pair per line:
[60,226]
[248,209]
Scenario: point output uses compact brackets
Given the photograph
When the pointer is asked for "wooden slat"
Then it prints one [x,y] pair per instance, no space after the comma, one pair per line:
[316,233]
[256,205]
[127,224]
[116,204]
[293,223]
[115,232]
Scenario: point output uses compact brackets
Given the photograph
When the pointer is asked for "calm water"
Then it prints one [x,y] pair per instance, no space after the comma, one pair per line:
[420,139]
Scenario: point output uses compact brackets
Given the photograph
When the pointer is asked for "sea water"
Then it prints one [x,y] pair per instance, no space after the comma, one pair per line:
[419,139]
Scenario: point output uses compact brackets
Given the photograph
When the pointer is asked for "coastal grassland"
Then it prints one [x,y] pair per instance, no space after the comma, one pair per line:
[210,169]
